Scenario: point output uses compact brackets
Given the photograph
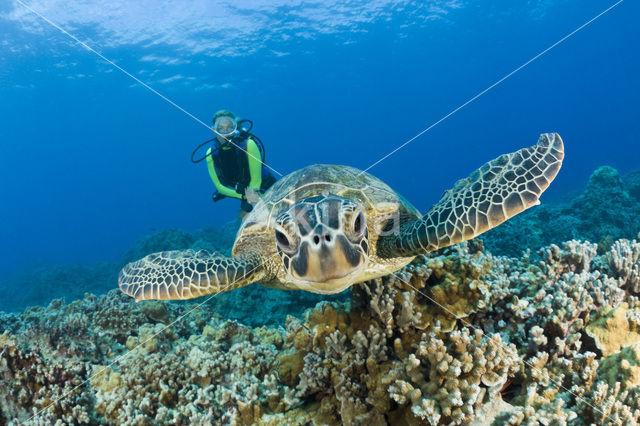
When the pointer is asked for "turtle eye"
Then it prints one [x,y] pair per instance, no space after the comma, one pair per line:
[358,224]
[283,241]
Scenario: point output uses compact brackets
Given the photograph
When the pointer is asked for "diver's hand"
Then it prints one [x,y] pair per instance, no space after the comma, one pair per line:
[252,196]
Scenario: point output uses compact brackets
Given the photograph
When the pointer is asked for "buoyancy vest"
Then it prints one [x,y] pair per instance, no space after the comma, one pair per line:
[232,165]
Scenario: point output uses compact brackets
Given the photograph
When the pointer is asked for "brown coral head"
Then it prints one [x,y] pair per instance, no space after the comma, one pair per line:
[323,242]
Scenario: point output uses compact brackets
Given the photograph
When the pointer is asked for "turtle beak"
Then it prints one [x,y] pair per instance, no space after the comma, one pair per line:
[331,248]
[326,256]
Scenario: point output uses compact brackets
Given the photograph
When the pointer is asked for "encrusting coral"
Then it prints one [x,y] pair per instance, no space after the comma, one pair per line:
[612,329]
[40,391]
[224,374]
[457,337]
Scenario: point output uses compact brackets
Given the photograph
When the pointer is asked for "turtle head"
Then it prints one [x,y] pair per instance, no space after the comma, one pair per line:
[323,243]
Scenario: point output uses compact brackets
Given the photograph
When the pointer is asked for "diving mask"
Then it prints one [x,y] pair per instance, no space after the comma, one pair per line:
[225,126]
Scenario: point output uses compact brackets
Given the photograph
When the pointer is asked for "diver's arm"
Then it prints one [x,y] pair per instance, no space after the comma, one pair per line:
[255,164]
[226,191]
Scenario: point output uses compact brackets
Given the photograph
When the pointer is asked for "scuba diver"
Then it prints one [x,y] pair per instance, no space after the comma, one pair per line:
[236,161]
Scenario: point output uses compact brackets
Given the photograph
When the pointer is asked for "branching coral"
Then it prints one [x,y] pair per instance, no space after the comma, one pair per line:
[624,261]
[449,382]
[457,337]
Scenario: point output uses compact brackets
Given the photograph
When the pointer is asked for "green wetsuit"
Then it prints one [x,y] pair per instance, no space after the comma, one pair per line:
[254,159]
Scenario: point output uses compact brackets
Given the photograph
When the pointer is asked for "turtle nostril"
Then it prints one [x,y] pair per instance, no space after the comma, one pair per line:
[316,239]
[327,237]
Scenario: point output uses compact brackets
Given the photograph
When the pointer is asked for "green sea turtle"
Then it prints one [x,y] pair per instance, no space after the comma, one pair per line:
[325,227]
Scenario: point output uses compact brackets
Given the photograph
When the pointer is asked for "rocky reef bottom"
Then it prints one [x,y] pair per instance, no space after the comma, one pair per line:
[457,337]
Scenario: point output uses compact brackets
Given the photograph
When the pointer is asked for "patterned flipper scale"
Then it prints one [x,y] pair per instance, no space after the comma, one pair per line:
[497,191]
[185,274]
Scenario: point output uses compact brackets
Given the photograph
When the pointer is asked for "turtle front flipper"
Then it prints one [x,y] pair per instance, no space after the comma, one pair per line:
[497,191]
[185,274]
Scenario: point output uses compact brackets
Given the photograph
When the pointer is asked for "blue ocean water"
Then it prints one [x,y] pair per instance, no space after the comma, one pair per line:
[91,161]
[102,104]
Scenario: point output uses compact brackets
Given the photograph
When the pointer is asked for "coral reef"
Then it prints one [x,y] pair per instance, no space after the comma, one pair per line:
[461,336]
[41,391]
[224,374]
[612,329]
[457,337]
